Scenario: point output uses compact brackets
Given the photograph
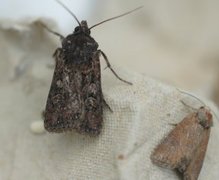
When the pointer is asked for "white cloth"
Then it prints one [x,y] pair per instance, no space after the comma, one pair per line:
[141,117]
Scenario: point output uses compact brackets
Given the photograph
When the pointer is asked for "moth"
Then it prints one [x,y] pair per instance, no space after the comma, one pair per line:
[75,100]
[184,148]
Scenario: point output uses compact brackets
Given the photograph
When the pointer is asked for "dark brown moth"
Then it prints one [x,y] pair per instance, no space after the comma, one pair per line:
[184,148]
[75,100]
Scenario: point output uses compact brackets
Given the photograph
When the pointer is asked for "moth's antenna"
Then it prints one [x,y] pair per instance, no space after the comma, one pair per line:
[66,8]
[129,12]
[184,92]
[198,100]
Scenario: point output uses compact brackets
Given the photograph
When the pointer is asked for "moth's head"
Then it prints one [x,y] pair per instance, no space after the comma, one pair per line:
[83,28]
[205,117]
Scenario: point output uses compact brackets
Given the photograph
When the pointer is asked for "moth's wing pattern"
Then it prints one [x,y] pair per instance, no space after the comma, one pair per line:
[63,107]
[194,167]
[176,149]
[75,97]
[92,98]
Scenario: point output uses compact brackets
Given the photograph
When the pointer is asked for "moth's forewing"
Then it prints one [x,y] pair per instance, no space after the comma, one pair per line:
[185,147]
[75,97]
[177,148]
[193,170]
[93,98]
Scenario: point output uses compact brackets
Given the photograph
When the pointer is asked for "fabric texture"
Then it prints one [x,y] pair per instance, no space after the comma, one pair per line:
[142,115]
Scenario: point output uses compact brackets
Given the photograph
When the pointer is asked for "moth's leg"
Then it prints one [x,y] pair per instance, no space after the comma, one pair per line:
[56,56]
[43,114]
[51,31]
[109,66]
[173,124]
[107,105]
[57,52]
[188,106]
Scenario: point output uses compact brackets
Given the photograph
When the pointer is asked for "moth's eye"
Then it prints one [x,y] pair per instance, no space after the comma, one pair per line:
[77,29]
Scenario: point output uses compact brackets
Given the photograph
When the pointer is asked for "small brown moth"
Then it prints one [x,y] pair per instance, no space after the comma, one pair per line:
[185,146]
[75,100]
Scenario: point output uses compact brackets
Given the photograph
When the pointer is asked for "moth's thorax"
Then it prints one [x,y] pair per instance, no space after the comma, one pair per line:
[79,47]
[205,117]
